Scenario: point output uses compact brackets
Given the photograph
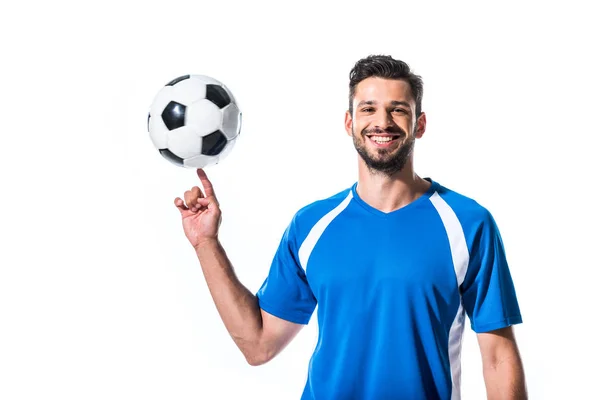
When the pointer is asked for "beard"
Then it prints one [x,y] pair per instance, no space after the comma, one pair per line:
[386,162]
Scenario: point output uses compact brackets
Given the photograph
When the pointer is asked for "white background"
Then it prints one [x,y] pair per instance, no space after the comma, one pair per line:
[101,296]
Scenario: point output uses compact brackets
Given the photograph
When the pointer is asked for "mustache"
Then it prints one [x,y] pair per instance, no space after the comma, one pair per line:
[379,131]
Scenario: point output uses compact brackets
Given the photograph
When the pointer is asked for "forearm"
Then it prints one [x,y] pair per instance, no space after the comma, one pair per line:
[237,306]
[505,379]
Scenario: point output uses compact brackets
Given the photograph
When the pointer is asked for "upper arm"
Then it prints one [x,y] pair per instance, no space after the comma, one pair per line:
[286,293]
[488,291]
[285,298]
[502,365]
[276,334]
[497,346]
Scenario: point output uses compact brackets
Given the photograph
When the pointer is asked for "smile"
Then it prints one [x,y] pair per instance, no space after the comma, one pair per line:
[383,140]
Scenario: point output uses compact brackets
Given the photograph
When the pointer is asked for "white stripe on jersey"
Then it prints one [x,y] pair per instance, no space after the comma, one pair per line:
[317,230]
[460,258]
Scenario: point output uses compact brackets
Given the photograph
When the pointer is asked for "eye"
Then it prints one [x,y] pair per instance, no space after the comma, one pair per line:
[400,110]
[368,109]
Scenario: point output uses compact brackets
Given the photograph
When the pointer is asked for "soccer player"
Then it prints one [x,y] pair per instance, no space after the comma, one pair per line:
[395,262]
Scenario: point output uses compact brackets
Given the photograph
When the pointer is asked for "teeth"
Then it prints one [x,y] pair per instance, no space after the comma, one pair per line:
[381,139]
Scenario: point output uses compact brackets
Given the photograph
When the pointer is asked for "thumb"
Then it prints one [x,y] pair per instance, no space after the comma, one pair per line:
[210,206]
[208,202]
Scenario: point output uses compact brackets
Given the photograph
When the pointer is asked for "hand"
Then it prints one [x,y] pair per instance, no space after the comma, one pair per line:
[200,213]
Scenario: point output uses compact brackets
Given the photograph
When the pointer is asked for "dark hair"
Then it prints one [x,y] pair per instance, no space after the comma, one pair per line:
[382,66]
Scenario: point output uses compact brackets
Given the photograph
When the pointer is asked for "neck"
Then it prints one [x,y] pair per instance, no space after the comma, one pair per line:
[388,193]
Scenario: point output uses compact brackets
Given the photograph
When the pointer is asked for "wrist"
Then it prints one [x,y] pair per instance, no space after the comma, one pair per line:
[207,243]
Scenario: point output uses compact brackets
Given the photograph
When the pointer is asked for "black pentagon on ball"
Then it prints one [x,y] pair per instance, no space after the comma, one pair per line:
[174,115]
[214,143]
[148,122]
[177,80]
[166,153]
[217,95]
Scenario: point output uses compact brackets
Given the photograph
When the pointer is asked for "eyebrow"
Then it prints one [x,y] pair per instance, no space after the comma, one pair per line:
[373,102]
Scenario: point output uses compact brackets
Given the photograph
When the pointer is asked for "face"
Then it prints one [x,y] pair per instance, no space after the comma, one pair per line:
[384,126]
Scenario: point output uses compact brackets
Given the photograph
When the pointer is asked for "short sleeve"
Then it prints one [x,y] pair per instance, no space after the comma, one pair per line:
[285,293]
[488,291]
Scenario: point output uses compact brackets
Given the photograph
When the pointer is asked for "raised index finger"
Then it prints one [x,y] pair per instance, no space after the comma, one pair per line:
[208,188]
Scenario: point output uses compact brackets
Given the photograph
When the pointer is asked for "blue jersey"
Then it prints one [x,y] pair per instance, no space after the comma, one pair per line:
[392,291]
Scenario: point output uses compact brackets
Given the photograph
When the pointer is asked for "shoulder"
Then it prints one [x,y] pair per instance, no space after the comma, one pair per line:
[470,213]
[307,217]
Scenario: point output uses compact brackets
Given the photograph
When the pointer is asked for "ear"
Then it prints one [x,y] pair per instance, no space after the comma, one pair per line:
[421,124]
[348,123]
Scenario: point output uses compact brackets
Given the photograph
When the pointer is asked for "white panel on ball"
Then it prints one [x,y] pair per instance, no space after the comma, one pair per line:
[158,131]
[188,91]
[200,161]
[184,142]
[231,121]
[203,116]
[207,79]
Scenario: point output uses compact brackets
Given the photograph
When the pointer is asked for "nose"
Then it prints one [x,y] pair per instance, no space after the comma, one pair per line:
[383,120]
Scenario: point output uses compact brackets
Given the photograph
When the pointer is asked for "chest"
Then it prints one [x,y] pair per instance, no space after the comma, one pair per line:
[388,257]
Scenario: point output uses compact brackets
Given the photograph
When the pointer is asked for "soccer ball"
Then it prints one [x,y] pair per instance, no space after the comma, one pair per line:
[194,121]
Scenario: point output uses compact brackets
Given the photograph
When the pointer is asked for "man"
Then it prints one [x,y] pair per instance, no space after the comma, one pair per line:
[394,262]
